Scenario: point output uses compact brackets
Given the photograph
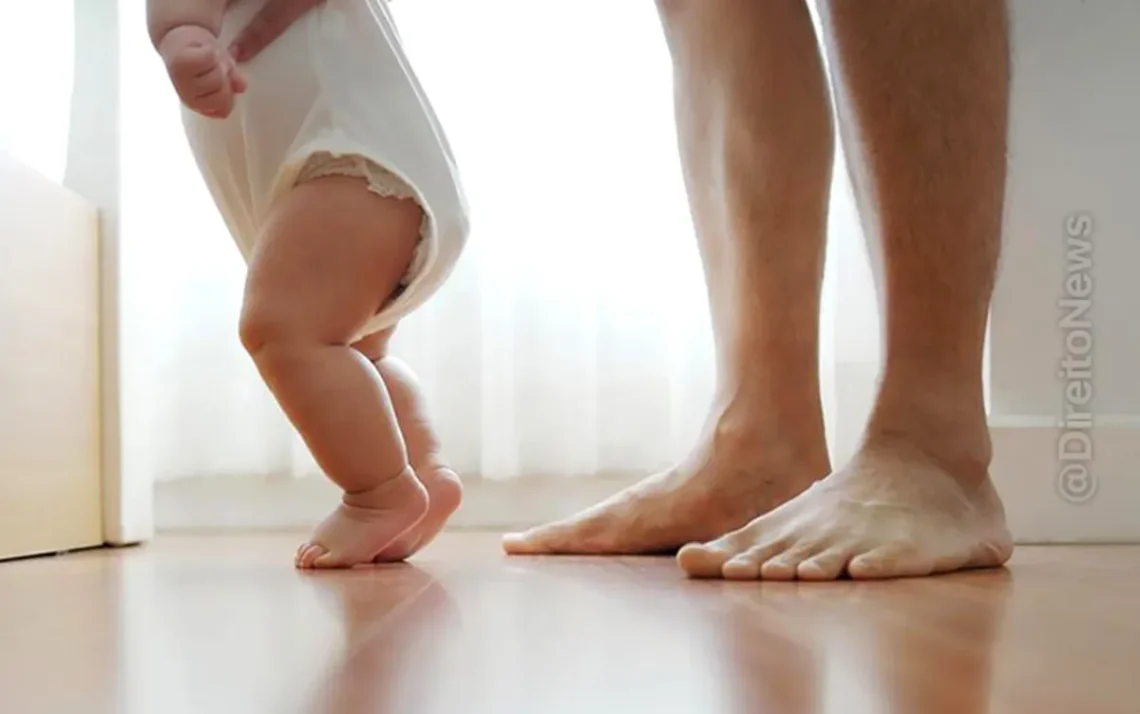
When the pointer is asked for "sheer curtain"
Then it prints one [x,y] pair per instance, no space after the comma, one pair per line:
[573,339]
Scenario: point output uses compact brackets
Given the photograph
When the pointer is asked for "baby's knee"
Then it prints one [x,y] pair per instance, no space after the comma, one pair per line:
[265,326]
[258,329]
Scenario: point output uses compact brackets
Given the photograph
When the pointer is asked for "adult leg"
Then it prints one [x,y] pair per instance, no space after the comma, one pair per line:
[924,85]
[755,130]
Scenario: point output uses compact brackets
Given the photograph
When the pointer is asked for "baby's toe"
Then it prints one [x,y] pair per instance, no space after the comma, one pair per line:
[309,554]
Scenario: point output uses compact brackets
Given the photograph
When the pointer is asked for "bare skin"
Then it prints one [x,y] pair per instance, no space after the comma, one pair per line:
[755,129]
[924,99]
[330,255]
[924,91]
[204,74]
[764,440]
[406,408]
[445,492]
[270,22]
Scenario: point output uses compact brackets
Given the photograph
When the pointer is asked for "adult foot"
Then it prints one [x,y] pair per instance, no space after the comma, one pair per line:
[893,512]
[444,496]
[726,482]
[365,524]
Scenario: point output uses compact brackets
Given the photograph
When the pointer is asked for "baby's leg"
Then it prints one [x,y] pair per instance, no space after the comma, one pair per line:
[330,255]
[442,484]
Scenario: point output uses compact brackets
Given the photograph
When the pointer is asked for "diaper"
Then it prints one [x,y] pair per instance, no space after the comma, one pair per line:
[335,95]
[380,181]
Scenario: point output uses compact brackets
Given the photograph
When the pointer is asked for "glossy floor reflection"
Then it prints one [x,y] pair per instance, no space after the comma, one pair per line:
[223,624]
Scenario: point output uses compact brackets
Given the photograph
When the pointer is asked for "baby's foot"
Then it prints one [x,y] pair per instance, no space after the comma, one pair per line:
[365,523]
[444,495]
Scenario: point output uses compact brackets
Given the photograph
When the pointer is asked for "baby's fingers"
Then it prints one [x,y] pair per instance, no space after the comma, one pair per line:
[213,93]
[238,82]
[191,63]
[212,86]
[217,103]
[236,77]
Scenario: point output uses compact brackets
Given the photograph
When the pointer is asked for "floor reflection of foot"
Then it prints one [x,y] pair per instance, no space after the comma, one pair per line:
[719,489]
[890,513]
[922,645]
[396,619]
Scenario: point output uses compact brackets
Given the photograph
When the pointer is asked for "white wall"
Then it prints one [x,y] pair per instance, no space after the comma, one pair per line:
[1074,157]
[1075,148]
[94,169]
[60,69]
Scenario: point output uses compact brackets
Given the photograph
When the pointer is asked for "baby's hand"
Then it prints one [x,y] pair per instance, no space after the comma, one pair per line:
[204,74]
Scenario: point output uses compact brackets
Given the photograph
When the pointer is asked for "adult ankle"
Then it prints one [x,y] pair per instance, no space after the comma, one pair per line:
[770,438]
[946,424]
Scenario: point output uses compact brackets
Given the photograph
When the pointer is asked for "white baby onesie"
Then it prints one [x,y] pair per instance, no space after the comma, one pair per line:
[334,94]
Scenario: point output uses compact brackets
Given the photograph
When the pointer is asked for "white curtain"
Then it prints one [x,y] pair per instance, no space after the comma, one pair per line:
[573,339]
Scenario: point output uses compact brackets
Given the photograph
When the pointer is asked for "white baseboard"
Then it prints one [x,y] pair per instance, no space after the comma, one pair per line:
[1026,470]
[1043,494]
[287,504]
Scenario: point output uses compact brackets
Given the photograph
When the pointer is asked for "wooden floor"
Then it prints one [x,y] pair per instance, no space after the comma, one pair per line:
[223,624]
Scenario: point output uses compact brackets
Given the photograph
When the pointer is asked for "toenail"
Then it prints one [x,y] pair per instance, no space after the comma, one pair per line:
[695,560]
[778,566]
[741,569]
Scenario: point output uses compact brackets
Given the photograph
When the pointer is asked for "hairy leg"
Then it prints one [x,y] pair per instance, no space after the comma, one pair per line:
[924,90]
[755,132]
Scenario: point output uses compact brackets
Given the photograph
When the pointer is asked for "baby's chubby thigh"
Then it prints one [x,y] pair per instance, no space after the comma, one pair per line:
[330,253]
[328,256]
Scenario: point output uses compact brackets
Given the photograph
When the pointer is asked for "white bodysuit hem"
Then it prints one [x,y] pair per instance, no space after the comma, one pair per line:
[336,82]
